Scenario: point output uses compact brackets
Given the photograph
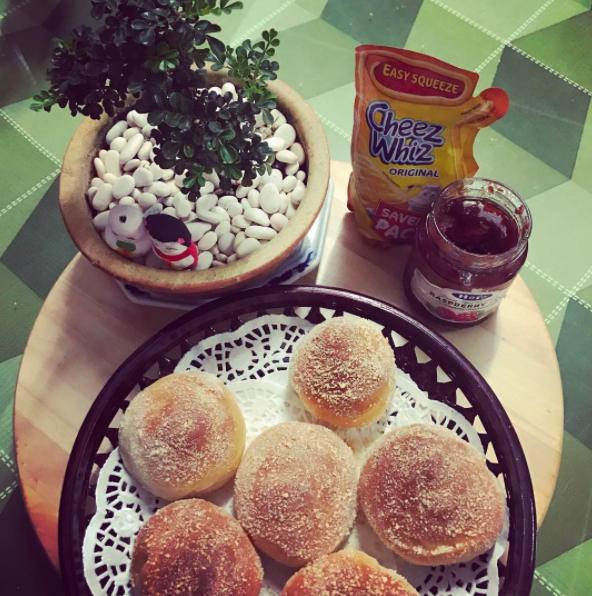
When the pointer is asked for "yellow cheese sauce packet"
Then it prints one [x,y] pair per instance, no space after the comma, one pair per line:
[415,123]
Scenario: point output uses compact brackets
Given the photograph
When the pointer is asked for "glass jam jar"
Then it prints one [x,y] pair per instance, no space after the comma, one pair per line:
[468,251]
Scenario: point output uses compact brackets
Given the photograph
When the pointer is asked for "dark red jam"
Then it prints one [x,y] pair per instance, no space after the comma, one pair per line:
[479,227]
[467,252]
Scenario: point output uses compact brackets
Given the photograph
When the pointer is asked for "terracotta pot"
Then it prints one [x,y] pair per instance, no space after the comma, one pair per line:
[77,171]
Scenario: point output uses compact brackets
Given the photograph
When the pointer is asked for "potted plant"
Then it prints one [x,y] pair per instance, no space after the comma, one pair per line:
[214,117]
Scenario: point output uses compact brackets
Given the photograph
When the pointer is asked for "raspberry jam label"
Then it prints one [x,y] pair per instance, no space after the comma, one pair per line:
[455,306]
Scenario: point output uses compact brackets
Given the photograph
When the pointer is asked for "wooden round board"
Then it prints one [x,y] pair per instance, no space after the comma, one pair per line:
[87,327]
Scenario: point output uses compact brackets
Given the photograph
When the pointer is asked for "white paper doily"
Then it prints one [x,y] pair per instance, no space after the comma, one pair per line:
[253,361]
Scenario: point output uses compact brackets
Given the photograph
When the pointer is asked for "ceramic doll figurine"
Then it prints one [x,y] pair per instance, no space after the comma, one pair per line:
[423,200]
[126,232]
[171,241]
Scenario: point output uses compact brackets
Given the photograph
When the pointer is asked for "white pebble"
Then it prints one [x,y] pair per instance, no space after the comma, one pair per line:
[260,232]
[146,200]
[234,229]
[297,194]
[110,178]
[131,132]
[99,167]
[100,220]
[131,115]
[278,222]
[238,239]
[221,257]
[127,201]
[215,250]
[123,186]
[136,193]
[183,208]
[269,198]
[242,191]
[226,243]
[230,88]
[132,164]
[292,169]
[198,229]
[276,143]
[140,120]
[132,148]
[301,175]
[206,202]
[234,209]
[284,201]
[160,189]
[275,178]
[116,131]
[218,264]
[204,260]
[239,221]
[231,259]
[289,183]
[286,132]
[215,89]
[226,200]
[112,163]
[91,192]
[253,198]
[102,153]
[278,118]
[170,211]
[174,188]
[247,247]
[209,239]
[143,177]
[207,188]
[103,197]
[96,182]
[298,150]
[286,156]
[167,174]
[144,152]
[156,171]
[257,215]
[222,228]
[213,218]
[147,130]
[213,178]
[118,144]
[245,203]
[112,204]
[222,212]
[166,201]
[290,211]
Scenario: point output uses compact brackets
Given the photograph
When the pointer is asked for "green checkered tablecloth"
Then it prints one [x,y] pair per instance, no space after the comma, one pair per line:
[539,51]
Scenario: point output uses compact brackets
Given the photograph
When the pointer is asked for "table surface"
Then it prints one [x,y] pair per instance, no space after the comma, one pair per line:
[87,327]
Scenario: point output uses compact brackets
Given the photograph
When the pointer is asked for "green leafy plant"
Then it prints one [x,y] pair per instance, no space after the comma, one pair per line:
[156,50]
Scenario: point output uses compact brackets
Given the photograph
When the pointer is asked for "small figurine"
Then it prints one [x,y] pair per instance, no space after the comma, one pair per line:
[171,241]
[126,232]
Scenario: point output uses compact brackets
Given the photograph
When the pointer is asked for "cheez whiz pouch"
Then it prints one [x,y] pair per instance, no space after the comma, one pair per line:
[415,123]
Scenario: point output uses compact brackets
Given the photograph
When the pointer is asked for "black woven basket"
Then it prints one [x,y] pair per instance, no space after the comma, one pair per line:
[160,354]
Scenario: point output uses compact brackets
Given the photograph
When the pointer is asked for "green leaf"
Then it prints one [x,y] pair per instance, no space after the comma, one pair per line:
[173,119]
[175,99]
[228,134]
[185,123]
[228,154]
[147,37]
[169,150]
[135,86]
[267,117]
[265,35]
[215,126]
[188,150]
[217,47]
[157,117]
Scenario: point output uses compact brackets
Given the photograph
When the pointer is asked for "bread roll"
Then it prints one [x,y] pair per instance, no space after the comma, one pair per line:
[183,436]
[344,372]
[430,497]
[295,492]
[193,547]
[347,573]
